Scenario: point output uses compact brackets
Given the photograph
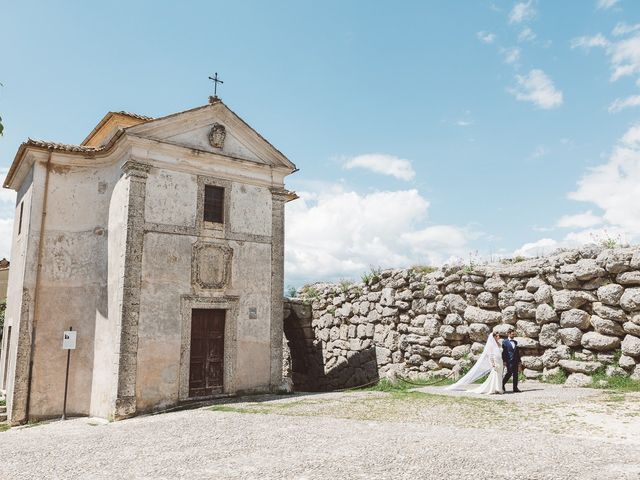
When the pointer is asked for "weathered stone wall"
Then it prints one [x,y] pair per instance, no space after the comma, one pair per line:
[576,310]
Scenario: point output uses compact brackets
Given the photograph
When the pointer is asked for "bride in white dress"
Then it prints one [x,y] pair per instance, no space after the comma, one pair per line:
[490,362]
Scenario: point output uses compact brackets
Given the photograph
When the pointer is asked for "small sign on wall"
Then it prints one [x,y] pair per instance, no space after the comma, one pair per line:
[253,313]
[69,340]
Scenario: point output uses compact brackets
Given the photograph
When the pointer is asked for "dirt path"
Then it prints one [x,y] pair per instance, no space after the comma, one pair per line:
[347,435]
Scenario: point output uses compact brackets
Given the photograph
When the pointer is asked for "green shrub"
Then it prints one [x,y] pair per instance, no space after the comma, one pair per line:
[619,383]
[372,276]
[556,379]
[345,285]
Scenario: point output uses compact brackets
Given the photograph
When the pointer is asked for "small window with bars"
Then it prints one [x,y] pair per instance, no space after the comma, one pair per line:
[213,204]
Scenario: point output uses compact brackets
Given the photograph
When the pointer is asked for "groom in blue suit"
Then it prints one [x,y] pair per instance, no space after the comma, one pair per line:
[511,359]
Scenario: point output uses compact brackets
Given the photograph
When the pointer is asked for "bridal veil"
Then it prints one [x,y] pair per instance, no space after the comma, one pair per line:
[482,366]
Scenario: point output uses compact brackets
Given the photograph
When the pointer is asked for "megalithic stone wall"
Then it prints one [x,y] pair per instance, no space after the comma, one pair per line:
[577,310]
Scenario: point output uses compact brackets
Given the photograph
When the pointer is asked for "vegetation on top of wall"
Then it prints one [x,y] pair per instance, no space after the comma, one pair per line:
[372,276]
[345,285]
[423,268]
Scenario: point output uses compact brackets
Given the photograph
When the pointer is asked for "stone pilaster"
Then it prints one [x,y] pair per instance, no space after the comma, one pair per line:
[127,351]
[278,199]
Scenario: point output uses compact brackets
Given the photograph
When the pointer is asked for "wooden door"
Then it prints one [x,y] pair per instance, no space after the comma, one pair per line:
[207,352]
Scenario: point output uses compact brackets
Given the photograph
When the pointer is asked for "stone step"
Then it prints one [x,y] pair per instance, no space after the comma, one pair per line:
[3,409]
[3,417]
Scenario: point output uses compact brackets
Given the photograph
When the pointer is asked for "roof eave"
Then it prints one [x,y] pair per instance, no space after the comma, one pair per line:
[26,146]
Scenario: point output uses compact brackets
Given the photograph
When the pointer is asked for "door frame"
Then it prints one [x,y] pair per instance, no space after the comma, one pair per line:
[228,303]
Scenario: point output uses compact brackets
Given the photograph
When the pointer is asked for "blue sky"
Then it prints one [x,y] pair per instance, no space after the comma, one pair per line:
[423,130]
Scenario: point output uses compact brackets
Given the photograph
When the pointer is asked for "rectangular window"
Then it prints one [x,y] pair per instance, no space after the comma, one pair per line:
[213,204]
[20,218]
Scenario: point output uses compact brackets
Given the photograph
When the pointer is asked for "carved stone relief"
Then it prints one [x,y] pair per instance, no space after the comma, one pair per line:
[211,265]
[217,135]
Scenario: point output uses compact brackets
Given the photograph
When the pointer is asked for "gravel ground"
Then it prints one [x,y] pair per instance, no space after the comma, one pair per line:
[344,435]
[532,392]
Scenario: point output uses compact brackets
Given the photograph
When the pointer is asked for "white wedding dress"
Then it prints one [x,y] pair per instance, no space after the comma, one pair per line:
[490,361]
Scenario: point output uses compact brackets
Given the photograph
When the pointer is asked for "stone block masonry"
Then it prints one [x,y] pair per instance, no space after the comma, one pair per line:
[575,311]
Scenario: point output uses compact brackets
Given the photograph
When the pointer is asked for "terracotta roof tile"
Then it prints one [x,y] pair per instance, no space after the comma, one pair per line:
[63,147]
[135,115]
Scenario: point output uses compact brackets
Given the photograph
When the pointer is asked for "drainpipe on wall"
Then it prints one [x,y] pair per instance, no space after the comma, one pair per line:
[36,303]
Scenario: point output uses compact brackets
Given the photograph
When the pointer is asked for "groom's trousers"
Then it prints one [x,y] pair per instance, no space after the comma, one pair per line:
[512,371]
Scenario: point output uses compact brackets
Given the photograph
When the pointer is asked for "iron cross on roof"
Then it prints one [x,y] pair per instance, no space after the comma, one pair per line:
[216,81]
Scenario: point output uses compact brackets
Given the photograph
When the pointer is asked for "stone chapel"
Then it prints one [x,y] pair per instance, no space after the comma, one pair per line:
[160,241]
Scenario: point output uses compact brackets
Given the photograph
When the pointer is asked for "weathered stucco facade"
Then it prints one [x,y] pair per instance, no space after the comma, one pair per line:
[111,239]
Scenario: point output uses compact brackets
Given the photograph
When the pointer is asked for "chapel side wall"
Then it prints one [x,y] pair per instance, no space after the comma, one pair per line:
[251,216]
[106,327]
[72,286]
[174,230]
[14,362]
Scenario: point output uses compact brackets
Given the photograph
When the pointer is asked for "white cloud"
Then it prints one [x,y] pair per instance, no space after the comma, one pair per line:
[6,234]
[522,12]
[623,29]
[631,138]
[536,87]
[575,239]
[526,35]
[7,209]
[465,120]
[511,55]
[614,186]
[624,55]
[622,103]
[384,164]
[544,246]
[540,151]
[580,220]
[605,4]
[340,235]
[436,238]
[589,42]
[486,37]
[595,235]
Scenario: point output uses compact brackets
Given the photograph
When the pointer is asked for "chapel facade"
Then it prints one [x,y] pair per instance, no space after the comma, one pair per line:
[160,241]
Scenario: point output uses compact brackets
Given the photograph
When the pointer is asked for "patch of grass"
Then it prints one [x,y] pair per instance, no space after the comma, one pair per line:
[309,294]
[616,397]
[4,427]
[557,379]
[389,386]
[345,285]
[423,269]
[618,383]
[403,386]
[227,408]
[372,276]
[3,402]
[32,423]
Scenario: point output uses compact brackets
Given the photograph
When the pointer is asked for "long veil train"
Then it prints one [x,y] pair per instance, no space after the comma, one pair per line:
[482,366]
